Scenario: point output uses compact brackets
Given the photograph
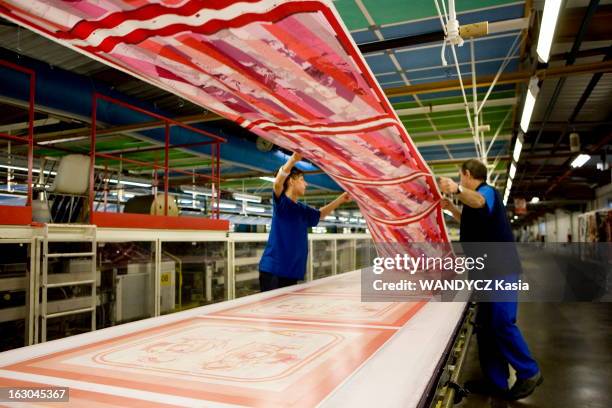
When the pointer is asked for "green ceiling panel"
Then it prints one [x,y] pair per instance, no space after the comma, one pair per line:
[461,121]
[351,15]
[247,183]
[393,11]
[458,99]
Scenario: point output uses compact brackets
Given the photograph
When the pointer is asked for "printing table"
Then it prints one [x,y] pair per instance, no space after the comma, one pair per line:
[314,344]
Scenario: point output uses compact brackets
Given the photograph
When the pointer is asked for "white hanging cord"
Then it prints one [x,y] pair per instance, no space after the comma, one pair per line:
[501,125]
[502,67]
[451,33]
[479,147]
[443,24]
[465,102]
[445,13]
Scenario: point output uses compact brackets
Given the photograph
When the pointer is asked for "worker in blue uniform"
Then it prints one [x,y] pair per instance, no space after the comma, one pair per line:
[283,262]
[483,219]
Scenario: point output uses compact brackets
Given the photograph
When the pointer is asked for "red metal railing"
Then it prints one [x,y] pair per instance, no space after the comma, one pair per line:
[23,215]
[215,141]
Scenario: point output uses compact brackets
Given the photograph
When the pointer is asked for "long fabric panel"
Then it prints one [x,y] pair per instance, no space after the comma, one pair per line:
[286,70]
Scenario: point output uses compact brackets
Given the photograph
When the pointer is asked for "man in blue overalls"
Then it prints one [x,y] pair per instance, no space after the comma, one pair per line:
[283,262]
[500,343]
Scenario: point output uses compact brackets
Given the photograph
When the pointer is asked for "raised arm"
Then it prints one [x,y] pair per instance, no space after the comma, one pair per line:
[283,173]
[329,208]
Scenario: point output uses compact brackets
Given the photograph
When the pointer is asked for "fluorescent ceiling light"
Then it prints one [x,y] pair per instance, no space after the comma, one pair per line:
[330,218]
[190,189]
[128,183]
[518,146]
[547,28]
[4,166]
[64,140]
[270,179]
[247,197]
[509,185]
[123,194]
[580,160]
[530,98]
[227,206]
[343,219]
[16,168]
[353,220]
[535,200]
[448,212]
[512,172]
[362,221]
[255,209]
[194,192]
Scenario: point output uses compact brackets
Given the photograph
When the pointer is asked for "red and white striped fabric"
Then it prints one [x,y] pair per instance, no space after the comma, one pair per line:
[287,70]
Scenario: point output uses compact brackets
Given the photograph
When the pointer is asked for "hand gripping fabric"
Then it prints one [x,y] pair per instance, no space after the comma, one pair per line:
[286,70]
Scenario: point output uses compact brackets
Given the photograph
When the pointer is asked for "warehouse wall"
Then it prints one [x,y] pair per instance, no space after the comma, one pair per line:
[556,226]
[603,197]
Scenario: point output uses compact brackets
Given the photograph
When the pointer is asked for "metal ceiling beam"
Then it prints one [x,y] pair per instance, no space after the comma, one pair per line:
[578,125]
[436,36]
[508,157]
[24,125]
[463,140]
[598,30]
[452,107]
[509,78]
[591,52]
[115,130]
[606,141]
[593,4]
[583,98]
[401,42]
[458,161]
[571,58]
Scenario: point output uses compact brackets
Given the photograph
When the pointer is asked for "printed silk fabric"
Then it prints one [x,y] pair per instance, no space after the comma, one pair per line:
[286,70]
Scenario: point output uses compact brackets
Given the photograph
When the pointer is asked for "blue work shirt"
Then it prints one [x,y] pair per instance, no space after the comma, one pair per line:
[486,224]
[487,231]
[287,249]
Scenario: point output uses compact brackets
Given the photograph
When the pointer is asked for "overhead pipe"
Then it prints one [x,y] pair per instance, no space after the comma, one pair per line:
[474,30]
[453,107]
[71,94]
[510,78]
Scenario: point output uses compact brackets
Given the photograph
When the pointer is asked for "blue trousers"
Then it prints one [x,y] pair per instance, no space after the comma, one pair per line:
[500,343]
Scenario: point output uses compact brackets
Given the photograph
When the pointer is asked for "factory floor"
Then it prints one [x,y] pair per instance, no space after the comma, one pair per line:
[572,342]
